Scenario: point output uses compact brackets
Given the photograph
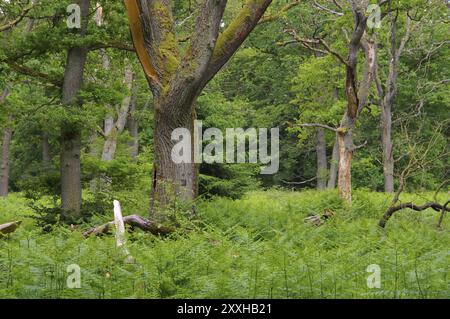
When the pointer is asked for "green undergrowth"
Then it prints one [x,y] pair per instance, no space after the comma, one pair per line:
[255,247]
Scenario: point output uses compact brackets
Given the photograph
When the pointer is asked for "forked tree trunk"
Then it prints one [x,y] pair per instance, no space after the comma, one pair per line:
[70,164]
[4,168]
[177,77]
[321,152]
[334,165]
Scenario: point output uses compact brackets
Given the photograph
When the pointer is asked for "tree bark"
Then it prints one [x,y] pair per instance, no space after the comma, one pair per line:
[321,152]
[133,123]
[334,165]
[345,142]
[70,164]
[177,78]
[386,142]
[46,156]
[110,146]
[4,168]
[387,97]
[171,182]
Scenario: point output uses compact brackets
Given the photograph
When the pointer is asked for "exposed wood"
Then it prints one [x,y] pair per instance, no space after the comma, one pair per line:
[9,227]
[135,221]
[138,39]
[318,220]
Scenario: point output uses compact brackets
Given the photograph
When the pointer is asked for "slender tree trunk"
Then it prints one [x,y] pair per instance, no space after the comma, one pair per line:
[334,165]
[110,146]
[171,181]
[4,168]
[6,142]
[322,166]
[345,140]
[386,142]
[46,156]
[70,164]
[133,124]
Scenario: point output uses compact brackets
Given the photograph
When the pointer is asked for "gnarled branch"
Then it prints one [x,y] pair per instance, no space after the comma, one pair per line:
[435,206]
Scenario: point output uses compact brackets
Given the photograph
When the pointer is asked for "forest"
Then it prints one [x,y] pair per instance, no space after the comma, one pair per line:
[271,149]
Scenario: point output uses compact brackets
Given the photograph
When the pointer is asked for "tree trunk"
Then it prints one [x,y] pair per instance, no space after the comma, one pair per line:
[345,140]
[70,173]
[110,146]
[322,166]
[334,165]
[46,157]
[171,182]
[133,124]
[70,164]
[4,168]
[386,142]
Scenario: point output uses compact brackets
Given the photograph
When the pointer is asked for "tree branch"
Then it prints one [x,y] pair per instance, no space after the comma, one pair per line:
[234,35]
[435,206]
[33,73]
[324,126]
[133,221]
[17,20]
[137,35]
[323,8]
[280,13]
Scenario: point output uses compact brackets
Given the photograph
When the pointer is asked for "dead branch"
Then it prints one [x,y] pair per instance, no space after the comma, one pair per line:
[435,206]
[323,8]
[324,126]
[9,227]
[133,221]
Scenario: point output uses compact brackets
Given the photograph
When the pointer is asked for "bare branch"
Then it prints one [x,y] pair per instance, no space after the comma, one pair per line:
[323,8]
[324,126]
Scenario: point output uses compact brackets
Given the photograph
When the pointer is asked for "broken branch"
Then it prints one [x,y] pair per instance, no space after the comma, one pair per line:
[133,221]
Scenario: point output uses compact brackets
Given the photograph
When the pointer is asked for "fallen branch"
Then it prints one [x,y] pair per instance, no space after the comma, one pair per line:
[9,227]
[133,221]
[435,206]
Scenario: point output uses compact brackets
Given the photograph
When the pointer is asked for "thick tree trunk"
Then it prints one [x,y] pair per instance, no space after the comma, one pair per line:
[70,164]
[345,140]
[4,168]
[176,79]
[334,165]
[386,142]
[71,173]
[322,166]
[171,182]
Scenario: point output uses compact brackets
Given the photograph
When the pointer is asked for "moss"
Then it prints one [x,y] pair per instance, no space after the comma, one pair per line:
[247,12]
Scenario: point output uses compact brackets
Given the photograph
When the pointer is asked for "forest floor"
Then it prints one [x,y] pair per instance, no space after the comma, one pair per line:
[255,247]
